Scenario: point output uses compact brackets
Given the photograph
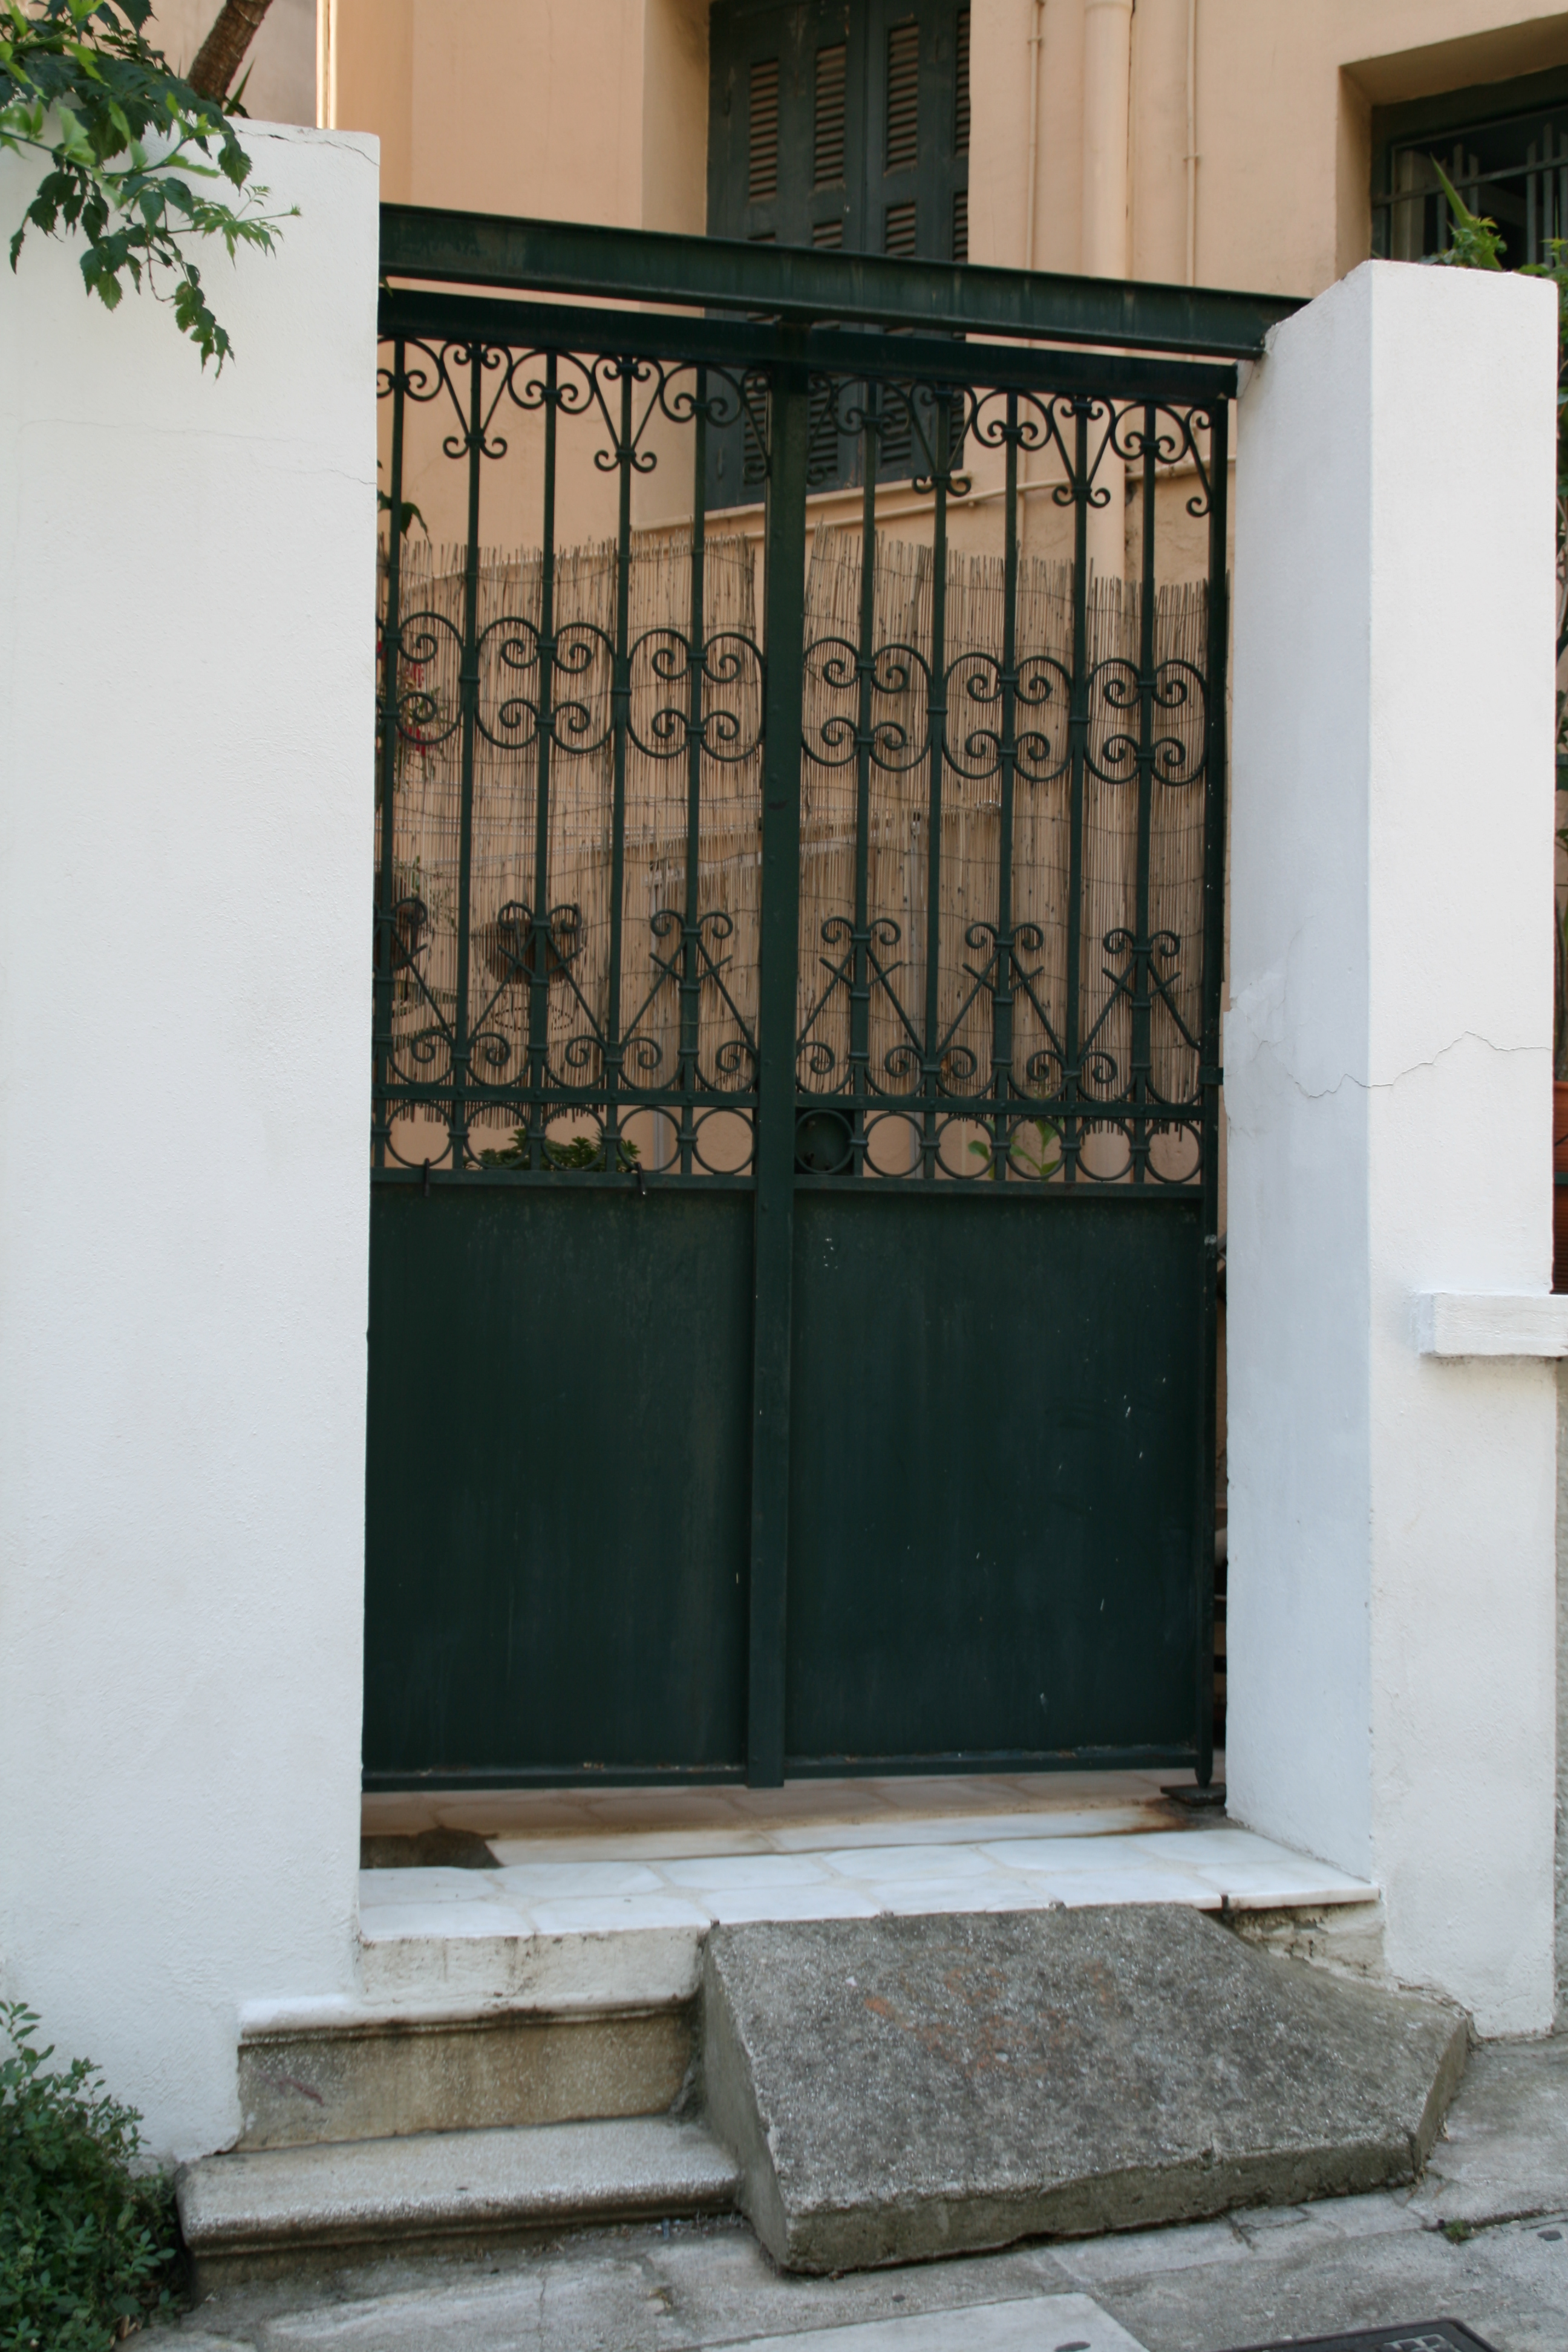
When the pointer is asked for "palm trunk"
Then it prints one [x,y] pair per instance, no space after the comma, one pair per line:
[222,53]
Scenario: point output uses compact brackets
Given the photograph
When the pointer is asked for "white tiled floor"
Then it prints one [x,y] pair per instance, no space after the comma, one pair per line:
[618,1860]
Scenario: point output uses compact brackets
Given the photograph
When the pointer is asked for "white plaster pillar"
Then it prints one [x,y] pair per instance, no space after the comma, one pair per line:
[187,576]
[1107,101]
[1391,1699]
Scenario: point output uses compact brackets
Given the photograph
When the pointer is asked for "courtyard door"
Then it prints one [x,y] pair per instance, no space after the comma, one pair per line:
[795,1008]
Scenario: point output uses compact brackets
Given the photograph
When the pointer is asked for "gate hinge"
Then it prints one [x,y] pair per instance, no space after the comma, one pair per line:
[1211,1074]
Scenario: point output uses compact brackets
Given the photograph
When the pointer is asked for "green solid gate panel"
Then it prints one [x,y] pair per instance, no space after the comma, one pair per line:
[556,1498]
[995,1434]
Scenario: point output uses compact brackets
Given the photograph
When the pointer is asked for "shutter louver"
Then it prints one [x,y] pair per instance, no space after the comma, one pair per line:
[903,231]
[827,123]
[961,223]
[762,151]
[903,99]
[961,92]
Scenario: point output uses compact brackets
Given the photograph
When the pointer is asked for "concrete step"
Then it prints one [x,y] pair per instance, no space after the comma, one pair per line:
[248,2216]
[897,2089]
[337,2071]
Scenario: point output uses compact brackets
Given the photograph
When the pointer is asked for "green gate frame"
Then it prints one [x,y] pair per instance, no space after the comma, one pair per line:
[785,299]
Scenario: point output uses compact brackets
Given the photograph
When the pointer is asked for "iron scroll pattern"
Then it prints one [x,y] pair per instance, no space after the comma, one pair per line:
[1014,1041]
[500,1039]
[1010,836]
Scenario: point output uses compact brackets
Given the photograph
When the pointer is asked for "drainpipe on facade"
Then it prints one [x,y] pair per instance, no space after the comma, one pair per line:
[326,66]
[1192,154]
[1106,120]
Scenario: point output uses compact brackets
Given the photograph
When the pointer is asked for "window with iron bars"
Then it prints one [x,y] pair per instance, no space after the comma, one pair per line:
[844,124]
[1504,146]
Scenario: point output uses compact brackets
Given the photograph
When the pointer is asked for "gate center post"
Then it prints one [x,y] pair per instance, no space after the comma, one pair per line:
[785,622]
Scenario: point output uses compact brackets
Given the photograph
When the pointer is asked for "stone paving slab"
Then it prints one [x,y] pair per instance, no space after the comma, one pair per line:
[899,2088]
[246,2215]
[1059,2323]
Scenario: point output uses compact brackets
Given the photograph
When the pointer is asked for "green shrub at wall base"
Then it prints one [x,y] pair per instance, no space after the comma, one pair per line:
[87,2248]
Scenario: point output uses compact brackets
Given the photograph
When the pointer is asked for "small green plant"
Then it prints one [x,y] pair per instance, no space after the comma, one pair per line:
[139,161]
[87,2247]
[1038,1164]
[585,1151]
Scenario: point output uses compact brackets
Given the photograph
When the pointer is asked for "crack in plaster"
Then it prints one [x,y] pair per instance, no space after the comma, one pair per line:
[1265,1046]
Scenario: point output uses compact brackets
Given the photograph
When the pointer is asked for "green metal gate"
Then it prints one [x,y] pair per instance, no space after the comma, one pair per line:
[797,950]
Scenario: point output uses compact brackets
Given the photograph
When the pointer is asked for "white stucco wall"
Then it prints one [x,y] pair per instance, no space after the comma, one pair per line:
[186,574]
[1392,1683]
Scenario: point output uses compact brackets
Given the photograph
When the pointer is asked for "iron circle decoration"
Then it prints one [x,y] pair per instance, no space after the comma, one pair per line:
[823,1141]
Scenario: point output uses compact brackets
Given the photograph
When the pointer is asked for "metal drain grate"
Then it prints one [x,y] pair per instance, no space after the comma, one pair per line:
[1417,2335]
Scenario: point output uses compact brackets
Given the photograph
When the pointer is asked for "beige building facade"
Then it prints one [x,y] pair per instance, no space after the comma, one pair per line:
[1220,142]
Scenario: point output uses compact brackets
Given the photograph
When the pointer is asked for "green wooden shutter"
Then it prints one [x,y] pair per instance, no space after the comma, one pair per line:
[836,123]
[839,123]
[786,152]
[917,129]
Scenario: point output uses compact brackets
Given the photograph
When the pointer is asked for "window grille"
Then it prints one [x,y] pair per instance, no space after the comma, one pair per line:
[1505,148]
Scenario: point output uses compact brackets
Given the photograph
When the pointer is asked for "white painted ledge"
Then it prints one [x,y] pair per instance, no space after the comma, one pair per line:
[1466,1323]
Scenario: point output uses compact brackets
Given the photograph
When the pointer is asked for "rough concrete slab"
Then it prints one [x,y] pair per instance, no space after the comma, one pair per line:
[377,2078]
[897,2089]
[246,2216]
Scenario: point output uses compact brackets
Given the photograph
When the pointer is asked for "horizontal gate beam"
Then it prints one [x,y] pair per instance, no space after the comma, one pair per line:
[578,257]
[415,311]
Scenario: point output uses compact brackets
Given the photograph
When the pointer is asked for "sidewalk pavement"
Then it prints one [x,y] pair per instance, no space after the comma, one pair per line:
[1483,2239]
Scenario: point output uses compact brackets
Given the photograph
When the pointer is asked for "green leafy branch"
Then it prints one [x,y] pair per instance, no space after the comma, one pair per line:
[87,2249]
[140,162]
[1040,1165]
[583,1152]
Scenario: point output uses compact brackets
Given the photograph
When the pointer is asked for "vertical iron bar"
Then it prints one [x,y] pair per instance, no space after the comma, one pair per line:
[1143,967]
[784,584]
[469,689]
[620,710]
[690,965]
[539,930]
[865,668]
[386,881]
[1078,731]
[930,1069]
[1002,995]
[1532,184]
[1209,1074]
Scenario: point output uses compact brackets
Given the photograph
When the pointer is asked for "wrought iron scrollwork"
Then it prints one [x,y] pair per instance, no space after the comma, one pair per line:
[1006,775]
